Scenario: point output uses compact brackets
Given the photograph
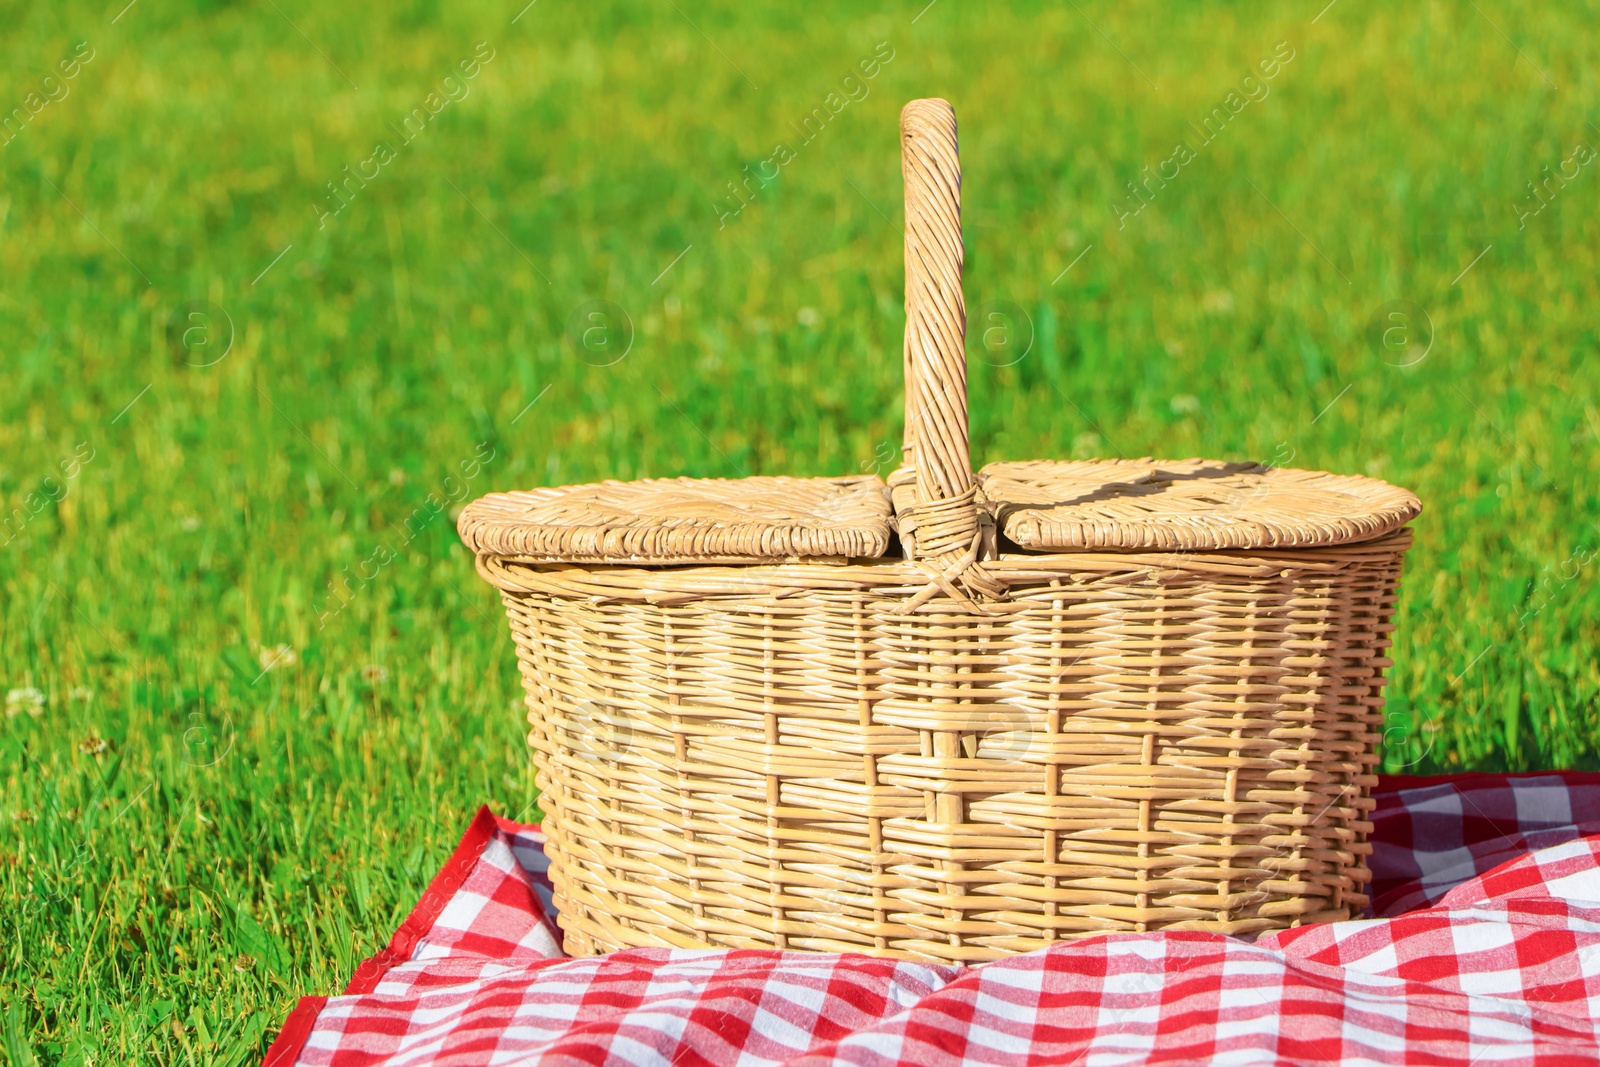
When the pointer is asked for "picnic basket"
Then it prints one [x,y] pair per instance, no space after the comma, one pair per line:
[954,716]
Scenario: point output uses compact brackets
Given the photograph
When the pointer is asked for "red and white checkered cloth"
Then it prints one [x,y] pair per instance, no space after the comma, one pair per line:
[1487,952]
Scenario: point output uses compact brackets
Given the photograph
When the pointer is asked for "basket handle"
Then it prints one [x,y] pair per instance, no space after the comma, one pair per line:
[942,519]
[936,316]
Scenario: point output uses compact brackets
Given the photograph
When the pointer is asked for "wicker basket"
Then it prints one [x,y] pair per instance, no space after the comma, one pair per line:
[952,717]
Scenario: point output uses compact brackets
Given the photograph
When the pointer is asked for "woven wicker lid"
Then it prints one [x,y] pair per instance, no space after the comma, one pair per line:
[1187,504]
[684,520]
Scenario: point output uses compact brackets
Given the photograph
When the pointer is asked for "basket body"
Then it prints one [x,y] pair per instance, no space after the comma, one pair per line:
[785,756]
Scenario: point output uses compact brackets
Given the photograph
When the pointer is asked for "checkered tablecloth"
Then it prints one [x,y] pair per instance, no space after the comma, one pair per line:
[1485,950]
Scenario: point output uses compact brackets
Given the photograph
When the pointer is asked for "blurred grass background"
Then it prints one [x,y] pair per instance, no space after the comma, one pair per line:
[218,792]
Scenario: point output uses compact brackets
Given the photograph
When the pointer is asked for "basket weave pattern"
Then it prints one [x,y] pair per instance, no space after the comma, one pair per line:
[786,760]
[971,750]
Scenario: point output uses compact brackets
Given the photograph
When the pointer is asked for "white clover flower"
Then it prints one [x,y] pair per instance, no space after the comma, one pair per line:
[277,656]
[26,699]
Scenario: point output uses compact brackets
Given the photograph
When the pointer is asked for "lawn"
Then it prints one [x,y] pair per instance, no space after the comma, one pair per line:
[282,285]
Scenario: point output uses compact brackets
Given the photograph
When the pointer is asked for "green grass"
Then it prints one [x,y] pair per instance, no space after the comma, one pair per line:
[188,842]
